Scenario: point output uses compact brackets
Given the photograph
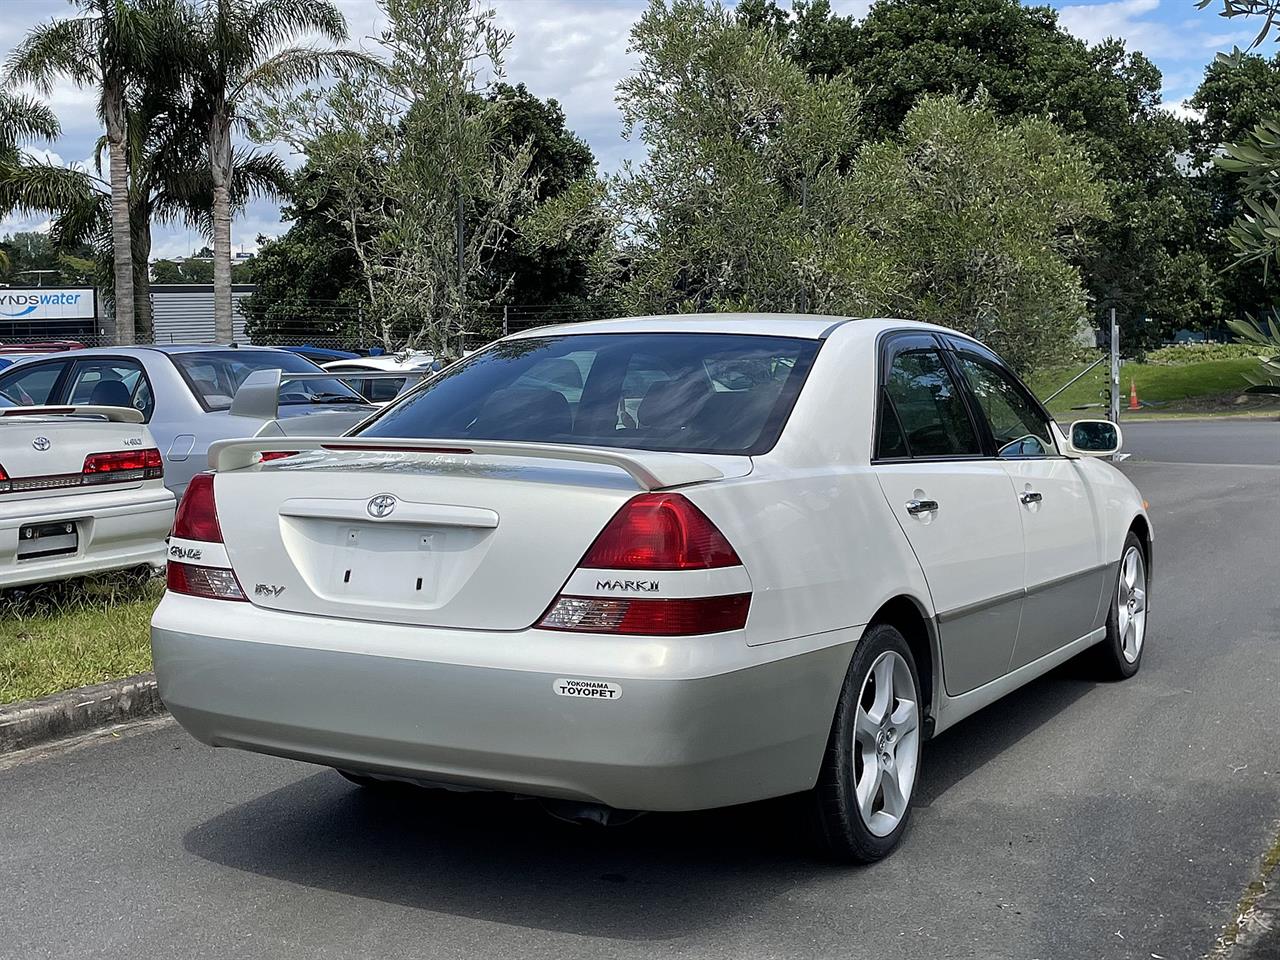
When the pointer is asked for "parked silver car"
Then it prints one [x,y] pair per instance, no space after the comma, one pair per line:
[188,395]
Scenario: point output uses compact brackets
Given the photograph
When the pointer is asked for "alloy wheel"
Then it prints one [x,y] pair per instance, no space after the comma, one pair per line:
[1131,604]
[886,743]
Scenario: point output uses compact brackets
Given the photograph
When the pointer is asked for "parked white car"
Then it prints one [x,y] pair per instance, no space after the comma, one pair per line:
[81,491]
[745,556]
[380,388]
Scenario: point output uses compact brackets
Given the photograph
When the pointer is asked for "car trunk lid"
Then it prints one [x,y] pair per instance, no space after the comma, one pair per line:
[461,538]
[43,453]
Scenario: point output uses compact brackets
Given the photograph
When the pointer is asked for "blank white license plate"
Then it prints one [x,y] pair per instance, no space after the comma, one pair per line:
[397,564]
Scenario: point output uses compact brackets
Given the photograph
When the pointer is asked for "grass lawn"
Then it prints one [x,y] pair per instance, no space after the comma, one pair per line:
[1208,386]
[67,635]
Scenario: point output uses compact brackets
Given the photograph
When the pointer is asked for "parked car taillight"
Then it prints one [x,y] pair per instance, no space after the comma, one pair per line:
[123,465]
[197,559]
[659,533]
[4,480]
[197,516]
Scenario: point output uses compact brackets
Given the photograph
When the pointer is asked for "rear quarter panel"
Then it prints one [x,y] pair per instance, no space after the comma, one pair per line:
[812,527]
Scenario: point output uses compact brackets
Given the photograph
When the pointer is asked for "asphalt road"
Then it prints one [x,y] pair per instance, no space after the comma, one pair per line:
[1204,441]
[1072,820]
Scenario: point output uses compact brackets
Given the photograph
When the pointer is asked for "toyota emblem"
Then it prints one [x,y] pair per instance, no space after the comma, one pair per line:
[381,506]
[41,443]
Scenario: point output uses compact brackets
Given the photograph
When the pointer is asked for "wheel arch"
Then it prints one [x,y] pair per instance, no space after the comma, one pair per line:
[1142,527]
[907,615]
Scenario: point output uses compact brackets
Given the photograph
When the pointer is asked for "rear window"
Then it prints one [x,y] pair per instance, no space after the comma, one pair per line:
[215,375]
[687,392]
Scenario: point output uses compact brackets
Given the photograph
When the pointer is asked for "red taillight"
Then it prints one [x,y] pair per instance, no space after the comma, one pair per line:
[656,532]
[197,519]
[121,465]
[268,455]
[660,531]
[685,616]
[197,516]
[213,583]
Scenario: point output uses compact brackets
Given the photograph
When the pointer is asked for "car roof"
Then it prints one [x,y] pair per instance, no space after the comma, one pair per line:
[142,350]
[389,362]
[804,325]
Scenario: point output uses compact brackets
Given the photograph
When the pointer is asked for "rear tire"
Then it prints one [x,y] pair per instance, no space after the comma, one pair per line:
[862,800]
[1119,656]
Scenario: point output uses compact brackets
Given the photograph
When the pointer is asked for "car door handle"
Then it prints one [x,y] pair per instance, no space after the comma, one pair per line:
[917,507]
[1030,496]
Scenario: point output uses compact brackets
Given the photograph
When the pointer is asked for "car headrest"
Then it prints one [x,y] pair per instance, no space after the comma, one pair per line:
[523,413]
[110,393]
[561,372]
[670,403]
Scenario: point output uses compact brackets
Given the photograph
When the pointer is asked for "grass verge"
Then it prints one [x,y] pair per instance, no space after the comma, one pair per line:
[1203,387]
[65,635]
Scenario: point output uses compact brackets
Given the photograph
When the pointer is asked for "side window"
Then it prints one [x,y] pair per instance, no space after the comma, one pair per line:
[891,444]
[931,417]
[1019,427]
[111,383]
[32,386]
[381,391]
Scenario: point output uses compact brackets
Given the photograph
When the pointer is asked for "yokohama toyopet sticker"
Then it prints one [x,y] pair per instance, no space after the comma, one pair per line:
[588,689]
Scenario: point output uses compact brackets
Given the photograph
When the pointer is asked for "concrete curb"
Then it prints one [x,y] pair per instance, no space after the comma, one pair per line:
[32,723]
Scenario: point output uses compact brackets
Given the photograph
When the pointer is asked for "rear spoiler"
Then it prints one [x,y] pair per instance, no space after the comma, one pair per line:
[651,470]
[113,414]
[259,394]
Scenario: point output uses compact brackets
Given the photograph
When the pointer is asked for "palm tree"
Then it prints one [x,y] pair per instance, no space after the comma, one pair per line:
[168,181]
[23,120]
[238,50]
[107,48]
[29,186]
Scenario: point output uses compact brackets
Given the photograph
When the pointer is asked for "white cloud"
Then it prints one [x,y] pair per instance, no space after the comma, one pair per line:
[1137,22]
[1181,110]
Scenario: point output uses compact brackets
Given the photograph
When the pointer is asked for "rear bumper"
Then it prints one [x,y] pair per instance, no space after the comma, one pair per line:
[116,530]
[701,722]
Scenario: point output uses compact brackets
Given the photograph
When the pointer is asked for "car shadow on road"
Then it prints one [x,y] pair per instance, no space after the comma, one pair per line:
[504,860]
[966,748]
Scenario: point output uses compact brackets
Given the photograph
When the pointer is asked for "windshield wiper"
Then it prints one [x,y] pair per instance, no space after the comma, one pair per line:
[328,398]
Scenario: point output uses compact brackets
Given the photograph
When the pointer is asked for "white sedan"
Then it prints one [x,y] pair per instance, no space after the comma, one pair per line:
[383,388]
[665,563]
[81,491]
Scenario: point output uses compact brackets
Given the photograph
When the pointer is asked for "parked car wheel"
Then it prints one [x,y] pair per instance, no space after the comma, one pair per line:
[863,796]
[1120,654]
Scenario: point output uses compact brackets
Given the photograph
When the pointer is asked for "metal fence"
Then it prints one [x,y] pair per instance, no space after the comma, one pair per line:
[183,313]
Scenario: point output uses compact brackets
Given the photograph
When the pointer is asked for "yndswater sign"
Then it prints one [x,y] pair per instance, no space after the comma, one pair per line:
[47,303]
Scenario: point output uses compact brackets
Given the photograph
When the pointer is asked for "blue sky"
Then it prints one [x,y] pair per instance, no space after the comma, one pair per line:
[576,51]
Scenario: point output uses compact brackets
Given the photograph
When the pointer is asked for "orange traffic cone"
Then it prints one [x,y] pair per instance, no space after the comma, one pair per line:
[1133,395]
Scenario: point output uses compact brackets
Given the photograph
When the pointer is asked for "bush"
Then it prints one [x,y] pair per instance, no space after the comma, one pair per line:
[1180,353]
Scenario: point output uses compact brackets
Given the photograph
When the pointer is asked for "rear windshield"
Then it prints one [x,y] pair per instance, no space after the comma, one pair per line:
[216,375]
[689,392]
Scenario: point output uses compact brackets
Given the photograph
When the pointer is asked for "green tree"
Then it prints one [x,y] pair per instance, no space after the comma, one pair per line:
[977,220]
[1018,62]
[106,48]
[757,192]
[740,189]
[33,258]
[417,171]
[1235,95]
[310,282]
[233,51]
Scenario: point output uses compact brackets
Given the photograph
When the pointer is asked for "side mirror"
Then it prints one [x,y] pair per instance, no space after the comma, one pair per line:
[1095,438]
